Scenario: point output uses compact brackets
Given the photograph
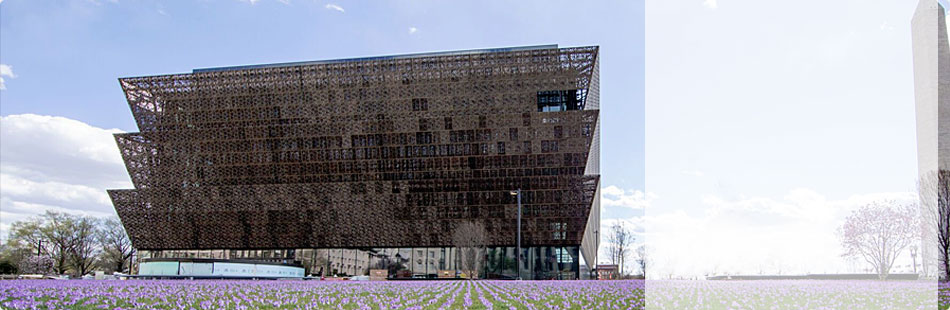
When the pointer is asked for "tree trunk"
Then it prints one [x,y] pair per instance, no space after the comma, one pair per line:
[946,269]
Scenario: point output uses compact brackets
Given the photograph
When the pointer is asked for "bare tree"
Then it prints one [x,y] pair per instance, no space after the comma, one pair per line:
[83,247]
[619,240]
[116,247]
[642,259]
[878,232]
[470,238]
[934,191]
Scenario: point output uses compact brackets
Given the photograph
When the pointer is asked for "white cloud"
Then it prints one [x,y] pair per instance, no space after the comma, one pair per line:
[13,211]
[56,163]
[613,196]
[54,192]
[616,197]
[331,6]
[5,71]
[413,30]
[798,204]
[712,4]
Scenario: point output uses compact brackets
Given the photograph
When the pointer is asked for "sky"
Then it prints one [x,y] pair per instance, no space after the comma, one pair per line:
[60,100]
[736,134]
[768,123]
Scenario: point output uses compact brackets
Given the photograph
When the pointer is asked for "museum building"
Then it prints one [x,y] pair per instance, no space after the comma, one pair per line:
[341,166]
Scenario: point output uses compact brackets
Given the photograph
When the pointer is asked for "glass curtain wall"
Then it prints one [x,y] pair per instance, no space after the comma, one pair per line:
[538,263]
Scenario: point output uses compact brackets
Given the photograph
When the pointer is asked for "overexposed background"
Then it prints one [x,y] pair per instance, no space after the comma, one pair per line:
[767,123]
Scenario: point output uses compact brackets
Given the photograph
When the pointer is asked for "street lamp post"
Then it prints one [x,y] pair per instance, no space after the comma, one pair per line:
[913,256]
[596,251]
[518,255]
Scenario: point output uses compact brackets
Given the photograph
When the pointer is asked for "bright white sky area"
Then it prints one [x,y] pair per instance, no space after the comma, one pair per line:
[767,123]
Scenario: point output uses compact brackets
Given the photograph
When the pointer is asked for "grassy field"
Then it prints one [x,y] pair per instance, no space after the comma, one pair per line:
[798,294]
[791,294]
[138,294]
[944,295]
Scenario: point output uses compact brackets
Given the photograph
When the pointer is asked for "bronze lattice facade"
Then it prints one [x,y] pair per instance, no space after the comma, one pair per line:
[374,152]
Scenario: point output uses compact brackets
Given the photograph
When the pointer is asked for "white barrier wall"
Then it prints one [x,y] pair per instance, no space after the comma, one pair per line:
[194,269]
[219,269]
[159,268]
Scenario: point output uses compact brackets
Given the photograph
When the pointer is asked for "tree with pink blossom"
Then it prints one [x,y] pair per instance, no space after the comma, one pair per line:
[38,264]
[879,231]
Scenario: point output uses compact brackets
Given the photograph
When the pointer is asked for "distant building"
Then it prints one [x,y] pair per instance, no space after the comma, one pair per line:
[931,51]
[342,166]
[608,272]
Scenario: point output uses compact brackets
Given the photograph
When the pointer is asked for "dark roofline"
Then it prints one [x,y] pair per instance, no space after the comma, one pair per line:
[388,57]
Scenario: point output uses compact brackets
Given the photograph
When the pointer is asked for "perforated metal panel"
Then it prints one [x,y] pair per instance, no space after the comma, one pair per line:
[378,152]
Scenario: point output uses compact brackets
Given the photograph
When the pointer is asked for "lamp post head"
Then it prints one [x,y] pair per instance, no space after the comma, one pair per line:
[515,193]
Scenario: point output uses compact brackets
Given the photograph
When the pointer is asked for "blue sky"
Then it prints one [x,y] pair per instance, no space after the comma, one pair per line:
[67,54]
[64,57]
